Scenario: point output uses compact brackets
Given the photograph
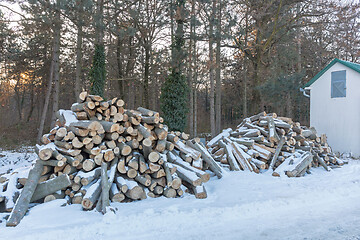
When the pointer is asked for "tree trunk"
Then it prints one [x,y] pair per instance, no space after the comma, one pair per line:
[130,73]
[120,68]
[245,110]
[48,93]
[211,75]
[195,92]
[218,72]
[31,103]
[190,69]
[99,25]
[146,75]
[57,30]
[78,56]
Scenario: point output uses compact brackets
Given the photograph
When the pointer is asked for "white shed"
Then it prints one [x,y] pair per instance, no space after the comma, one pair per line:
[335,105]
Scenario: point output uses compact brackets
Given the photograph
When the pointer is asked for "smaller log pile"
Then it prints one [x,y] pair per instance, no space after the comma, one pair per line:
[266,141]
[101,152]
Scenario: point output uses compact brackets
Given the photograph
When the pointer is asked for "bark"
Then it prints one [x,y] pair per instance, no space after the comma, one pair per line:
[230,156]
[199,191]
[48,93]
[175,159]
[190,72]
[216,168]
[99,31]
[188,176]
[121,184]
[169,193]
[245,111]
[32,105]
[22,204]
[88,177]
[130,72]
[305,161]
[211,75]
[57,32]
[195,107]
[48,187]
[277,152]
[218,72]
[78,54]
[105,187]
[120,67]
[146,75]
[115,194]
[92,195]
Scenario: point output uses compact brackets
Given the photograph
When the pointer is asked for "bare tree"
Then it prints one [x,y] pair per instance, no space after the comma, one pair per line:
[218,70]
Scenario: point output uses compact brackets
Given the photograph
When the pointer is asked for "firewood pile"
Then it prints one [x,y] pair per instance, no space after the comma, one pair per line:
[266,141]
[100,152]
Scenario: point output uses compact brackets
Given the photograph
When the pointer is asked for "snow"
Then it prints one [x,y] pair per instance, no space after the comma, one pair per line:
[69,116]
[188,174]
[83,174]
[285,166]
[263,152]
[114,188]
[241,205]
[49,145]
[10,160]
[93,188]
[224,133]
[129,183]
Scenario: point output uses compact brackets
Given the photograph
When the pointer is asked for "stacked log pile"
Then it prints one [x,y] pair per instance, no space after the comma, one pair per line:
[100,152]
[266,141]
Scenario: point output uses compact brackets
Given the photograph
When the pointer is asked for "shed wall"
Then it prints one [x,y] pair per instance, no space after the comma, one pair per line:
[338,118]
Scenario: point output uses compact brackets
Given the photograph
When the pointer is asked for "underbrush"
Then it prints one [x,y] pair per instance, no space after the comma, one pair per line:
[16,136]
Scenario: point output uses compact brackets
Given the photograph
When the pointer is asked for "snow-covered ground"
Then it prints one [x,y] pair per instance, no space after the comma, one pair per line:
[10,160]
[322,205]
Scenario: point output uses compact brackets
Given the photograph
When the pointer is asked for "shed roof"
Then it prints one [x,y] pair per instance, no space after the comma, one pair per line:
[353,66]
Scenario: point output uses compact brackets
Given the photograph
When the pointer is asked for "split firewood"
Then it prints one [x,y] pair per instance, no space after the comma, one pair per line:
[101,152]
[134,191]
[45,152]
[175,159]
[303,163]
[266,141]
[188,176]
[92,195]
[115,194]
[54,196]
[277,152]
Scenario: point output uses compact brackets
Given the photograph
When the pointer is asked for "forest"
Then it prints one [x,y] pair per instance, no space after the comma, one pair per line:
[235,57]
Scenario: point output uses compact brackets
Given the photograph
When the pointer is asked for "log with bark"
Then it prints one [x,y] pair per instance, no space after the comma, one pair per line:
[264,141]
[100,152]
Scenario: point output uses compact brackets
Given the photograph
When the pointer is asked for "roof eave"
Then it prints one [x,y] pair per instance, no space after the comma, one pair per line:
[335,60]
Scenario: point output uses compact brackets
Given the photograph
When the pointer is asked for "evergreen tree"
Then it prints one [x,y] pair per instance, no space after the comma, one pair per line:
[174,93]
[98,68]
[98,71]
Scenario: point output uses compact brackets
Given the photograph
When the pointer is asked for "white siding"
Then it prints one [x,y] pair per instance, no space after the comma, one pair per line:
[338,118]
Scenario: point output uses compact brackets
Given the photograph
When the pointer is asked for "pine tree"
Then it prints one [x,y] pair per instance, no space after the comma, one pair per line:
[98,68]
[98,71]
[174,93]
